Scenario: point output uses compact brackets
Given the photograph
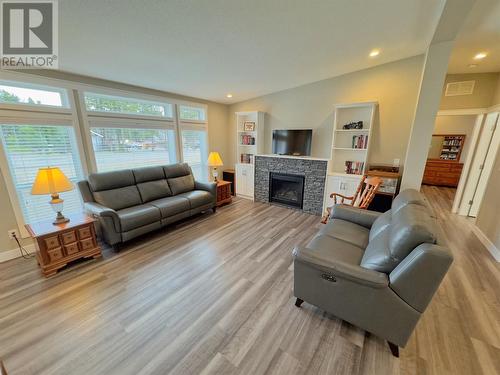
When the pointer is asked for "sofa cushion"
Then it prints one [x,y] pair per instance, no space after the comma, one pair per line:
[152,190]
[181,184]
[138,216]
[377,255]
[346,231]
[406,197]
[111,180]
[145,174]
[119,198]
[411,226]
[198,198]
[171,205]
[380,224]
[177,170]
[327,249]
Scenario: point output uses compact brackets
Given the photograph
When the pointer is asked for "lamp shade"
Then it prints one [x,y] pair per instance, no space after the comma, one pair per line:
[214,160]
[50,180]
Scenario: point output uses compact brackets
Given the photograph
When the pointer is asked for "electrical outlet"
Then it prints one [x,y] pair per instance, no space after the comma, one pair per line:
[13,233]
[395,163]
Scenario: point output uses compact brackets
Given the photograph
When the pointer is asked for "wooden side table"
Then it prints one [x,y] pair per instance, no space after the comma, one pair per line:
[57,245]
[223,192]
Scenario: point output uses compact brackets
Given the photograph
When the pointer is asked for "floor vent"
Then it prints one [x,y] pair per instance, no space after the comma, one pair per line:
[459,88]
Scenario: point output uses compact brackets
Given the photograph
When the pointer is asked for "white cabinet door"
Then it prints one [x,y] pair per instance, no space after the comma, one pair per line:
[342,185]
[250,180]
[240,180]
[245,180]
[333,185]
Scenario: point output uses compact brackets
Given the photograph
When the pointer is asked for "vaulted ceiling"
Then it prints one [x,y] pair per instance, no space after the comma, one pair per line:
[480,33]
[208,48]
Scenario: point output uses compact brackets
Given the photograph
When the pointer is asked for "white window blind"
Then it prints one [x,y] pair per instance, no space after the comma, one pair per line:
[30,147]
[123,148]
[195,151]
[20,93]
[121,105]
[192,113]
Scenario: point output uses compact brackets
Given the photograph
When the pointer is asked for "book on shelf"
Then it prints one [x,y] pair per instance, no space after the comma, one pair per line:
[246,158]
[247,140]
[360,141]
[354,167]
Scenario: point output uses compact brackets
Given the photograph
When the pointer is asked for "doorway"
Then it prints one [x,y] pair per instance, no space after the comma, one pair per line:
[449,150]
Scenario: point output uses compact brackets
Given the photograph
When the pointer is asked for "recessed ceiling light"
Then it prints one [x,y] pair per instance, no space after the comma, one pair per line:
[229,95]
[374,53]
[472,65]
[480,56]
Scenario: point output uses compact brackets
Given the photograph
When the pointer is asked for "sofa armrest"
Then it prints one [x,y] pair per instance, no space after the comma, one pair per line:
[211,187]
[355,215]
[419,275]
[98,210]
[341,269]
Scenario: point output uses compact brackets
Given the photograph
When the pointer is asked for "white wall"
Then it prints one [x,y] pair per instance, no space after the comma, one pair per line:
[394,86]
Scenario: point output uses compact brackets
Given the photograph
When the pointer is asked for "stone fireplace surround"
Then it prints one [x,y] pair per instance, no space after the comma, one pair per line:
[313,169]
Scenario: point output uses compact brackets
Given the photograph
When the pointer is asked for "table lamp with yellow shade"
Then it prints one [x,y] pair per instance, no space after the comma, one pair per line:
[214,161]
[51,180]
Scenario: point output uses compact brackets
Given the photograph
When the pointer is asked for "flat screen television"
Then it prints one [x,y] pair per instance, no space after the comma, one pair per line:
[292,142]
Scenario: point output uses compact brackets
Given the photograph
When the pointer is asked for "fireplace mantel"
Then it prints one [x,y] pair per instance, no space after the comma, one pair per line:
[313,169]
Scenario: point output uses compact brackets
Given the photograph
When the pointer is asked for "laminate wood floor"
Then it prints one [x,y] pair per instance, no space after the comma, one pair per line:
[214,296]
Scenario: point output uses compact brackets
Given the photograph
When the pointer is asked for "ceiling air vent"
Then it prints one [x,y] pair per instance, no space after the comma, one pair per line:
[459,88]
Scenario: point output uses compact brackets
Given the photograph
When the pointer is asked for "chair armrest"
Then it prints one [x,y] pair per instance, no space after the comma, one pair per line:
[419,275]
[341,269]
[355,215]
[211,187]
[98,210]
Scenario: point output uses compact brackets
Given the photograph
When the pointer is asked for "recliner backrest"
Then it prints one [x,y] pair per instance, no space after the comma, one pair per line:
[406,197]
[398,231]
[151,183]
[115,189]
[180,178]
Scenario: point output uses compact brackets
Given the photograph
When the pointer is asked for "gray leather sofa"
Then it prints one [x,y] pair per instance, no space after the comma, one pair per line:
[131,202]
[376,271]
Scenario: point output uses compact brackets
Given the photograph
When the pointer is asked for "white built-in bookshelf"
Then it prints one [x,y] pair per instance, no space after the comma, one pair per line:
[350,147]
[248,144]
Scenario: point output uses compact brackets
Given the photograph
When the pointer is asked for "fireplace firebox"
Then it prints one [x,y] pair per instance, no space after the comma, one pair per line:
[287,189]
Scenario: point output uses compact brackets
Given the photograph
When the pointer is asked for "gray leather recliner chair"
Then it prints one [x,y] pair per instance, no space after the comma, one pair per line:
[376,271]
[132,202]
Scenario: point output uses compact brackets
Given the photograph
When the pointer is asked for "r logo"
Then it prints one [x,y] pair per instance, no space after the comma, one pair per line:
[27,28]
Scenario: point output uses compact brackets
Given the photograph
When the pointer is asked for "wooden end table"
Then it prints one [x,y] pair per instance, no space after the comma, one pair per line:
[57,245]
[223,192]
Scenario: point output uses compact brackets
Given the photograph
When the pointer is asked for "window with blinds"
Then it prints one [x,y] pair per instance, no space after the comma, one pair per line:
[18,93]
[129,106]
[195,151]
[30,147]
[122,148]
[192,113]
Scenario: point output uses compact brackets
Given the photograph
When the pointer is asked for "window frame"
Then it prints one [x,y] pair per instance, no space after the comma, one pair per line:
[125,123]
[65,97]
[129,96]
[33,119]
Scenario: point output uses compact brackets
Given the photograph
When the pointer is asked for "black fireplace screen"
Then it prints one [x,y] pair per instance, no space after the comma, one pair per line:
[286,189]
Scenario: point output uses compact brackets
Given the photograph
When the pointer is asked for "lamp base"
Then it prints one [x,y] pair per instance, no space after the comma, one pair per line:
[60,219]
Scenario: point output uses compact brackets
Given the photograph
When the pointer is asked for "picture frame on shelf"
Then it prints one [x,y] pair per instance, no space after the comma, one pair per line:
[249,126]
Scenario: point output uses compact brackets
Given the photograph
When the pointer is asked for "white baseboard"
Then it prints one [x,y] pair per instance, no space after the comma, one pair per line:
[15,253]
[494,251]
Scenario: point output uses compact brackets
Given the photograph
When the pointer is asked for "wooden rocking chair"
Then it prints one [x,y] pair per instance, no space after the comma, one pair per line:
[364,195]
